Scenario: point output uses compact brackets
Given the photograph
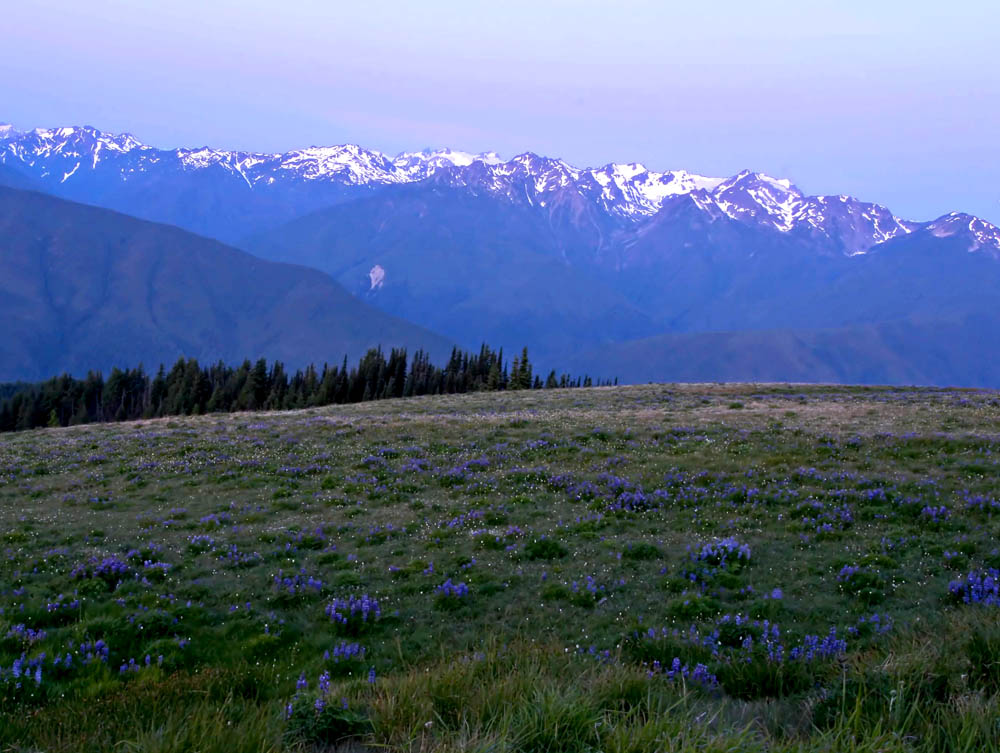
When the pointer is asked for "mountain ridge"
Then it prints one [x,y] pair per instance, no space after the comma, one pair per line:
[68,161]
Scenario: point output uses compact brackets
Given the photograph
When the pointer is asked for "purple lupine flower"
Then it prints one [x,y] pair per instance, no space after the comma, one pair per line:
[846,572]
[933,514]
[719,553]
[452,590]
[978,588]
[361,609]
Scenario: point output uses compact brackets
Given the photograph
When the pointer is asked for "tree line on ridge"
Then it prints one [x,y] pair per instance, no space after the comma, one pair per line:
[191,389]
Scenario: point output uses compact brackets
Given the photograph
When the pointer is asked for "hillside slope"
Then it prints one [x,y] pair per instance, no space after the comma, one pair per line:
[456,262]
[959,351]
[84,288]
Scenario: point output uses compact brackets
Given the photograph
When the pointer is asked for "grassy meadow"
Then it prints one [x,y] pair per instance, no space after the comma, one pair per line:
[648,568]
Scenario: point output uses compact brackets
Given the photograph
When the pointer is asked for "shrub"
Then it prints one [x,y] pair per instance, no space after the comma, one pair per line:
[545,549]
[641,551]
[310,722]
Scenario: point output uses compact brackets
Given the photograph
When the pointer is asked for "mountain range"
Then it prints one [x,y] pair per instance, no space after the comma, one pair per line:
[593,266]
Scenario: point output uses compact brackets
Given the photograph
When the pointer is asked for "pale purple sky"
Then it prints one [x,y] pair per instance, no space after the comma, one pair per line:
[891,101]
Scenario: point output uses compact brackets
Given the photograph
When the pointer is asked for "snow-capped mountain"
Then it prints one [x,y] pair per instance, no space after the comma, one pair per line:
[64,152]
[420,165]
[852,226]
[627,191]
[234,194]
[978,234]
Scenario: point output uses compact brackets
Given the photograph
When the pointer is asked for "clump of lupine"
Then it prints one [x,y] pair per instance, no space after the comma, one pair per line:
[452,590]
[233,557]
[935,513]
[344,653]
[60,604]
[200,543]
[871,625]
[27,672]
[25,635]
[747,658]
[96,651]
[133,666]
[978,587]
[216,520]
[981,502]
[109,569]
[588,585]
[847,572]
[354,613]
[736,636]
[297,583]
[450,595]
[727,552]
[23,671]
[319,717]
[699,674]
[813,647]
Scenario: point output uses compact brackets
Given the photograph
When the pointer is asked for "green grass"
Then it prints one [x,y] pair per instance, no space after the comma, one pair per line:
[588,538]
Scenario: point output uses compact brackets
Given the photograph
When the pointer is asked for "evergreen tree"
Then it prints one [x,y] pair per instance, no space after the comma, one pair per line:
[188,389]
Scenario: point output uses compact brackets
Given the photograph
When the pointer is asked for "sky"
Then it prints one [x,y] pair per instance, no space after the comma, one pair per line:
[895,102]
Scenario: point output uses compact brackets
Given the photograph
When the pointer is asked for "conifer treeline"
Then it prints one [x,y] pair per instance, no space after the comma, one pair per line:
[190,389]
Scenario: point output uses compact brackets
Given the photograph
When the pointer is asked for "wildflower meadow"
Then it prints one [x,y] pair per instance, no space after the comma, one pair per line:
[648,568]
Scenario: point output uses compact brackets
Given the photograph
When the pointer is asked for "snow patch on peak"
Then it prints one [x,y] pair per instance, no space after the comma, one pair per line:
[700,182]
[854,227]
[857,226]
[419,165]
[348,162]
[67,176]
[124,142]
[779,183]
[748,178]
[459,159]
[376,277]
[631,190]
[626,171]
[758,197]
[198,158]
[949,224]
[982,235]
